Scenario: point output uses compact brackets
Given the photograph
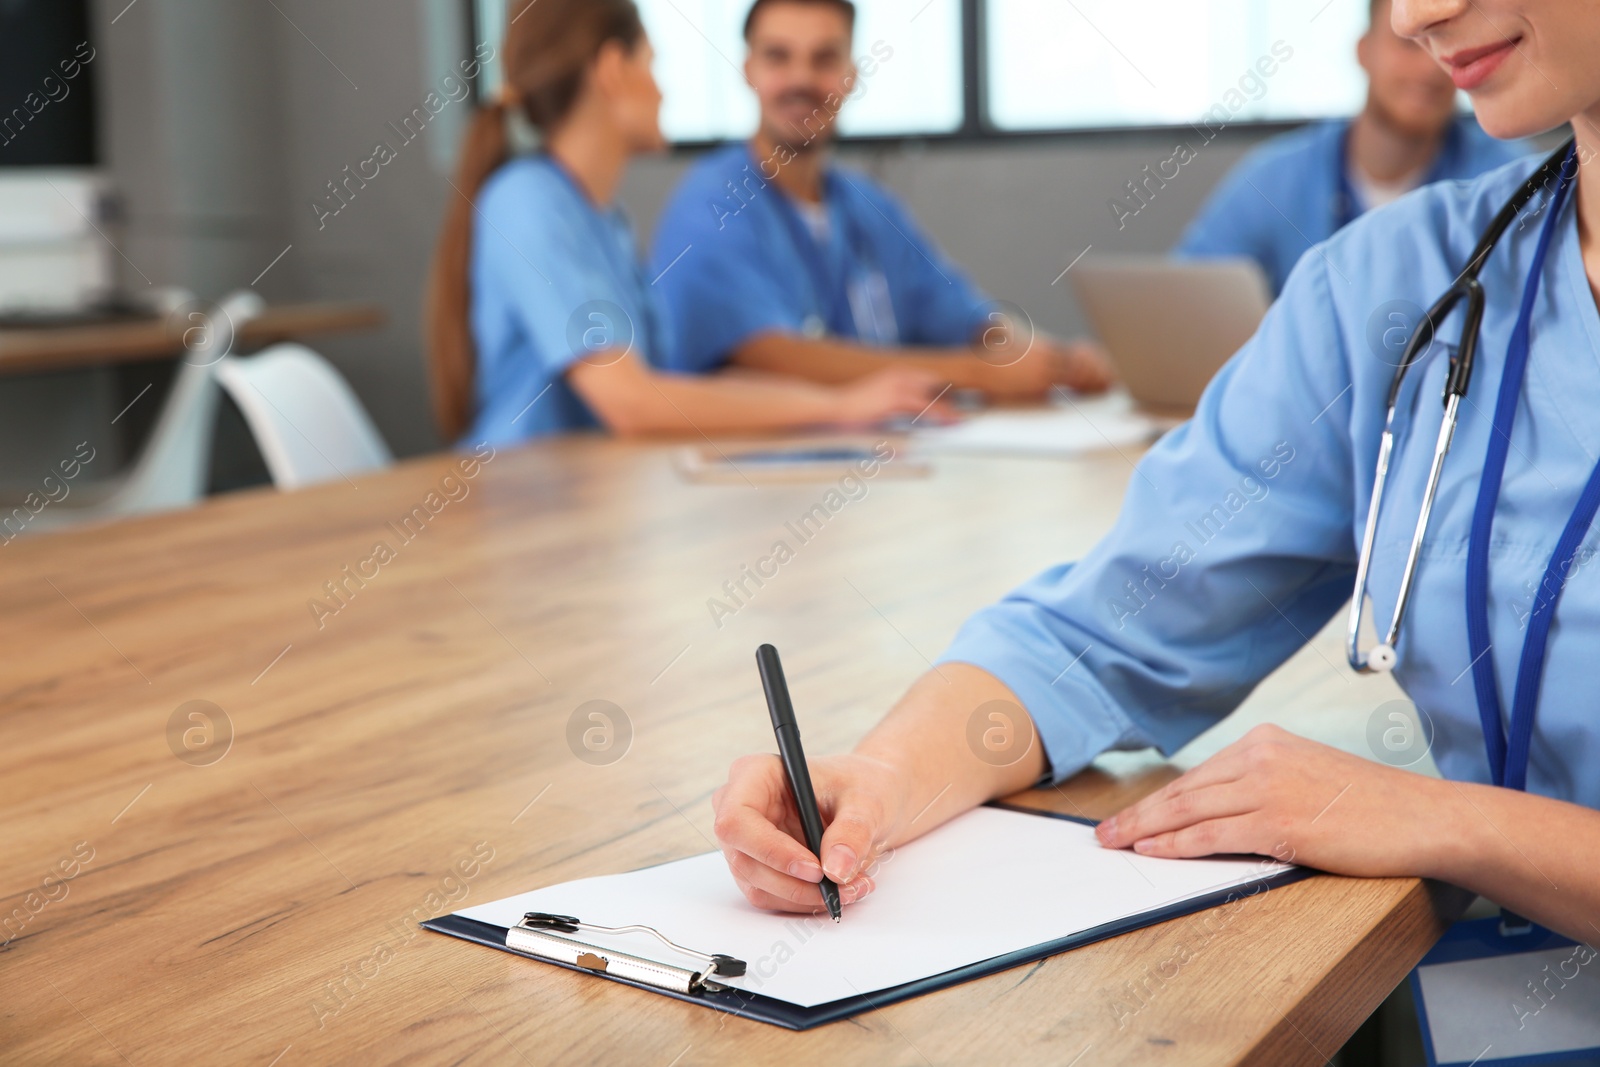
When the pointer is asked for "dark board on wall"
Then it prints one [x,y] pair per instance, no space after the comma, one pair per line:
[47,114]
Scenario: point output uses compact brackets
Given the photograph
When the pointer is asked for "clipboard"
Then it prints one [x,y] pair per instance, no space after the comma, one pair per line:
[693,977]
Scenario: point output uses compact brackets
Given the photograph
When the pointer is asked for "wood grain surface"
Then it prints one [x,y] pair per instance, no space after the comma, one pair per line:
[178,897]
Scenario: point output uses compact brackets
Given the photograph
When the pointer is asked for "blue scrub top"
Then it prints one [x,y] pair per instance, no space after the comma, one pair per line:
[1283,197]
[735,260]
[1239,535]
[553,278]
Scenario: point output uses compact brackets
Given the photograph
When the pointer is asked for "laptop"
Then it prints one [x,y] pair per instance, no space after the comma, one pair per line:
[1171,324]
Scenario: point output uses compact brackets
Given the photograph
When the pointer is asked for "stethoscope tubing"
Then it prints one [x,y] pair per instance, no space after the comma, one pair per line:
[1468,288]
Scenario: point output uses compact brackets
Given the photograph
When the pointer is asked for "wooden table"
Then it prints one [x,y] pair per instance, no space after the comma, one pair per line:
[33,350]
[255,904]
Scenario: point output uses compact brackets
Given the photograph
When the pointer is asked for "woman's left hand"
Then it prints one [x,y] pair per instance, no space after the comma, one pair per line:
[1279,795]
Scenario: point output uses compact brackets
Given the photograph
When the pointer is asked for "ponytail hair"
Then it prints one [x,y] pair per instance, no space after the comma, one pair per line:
[548,49]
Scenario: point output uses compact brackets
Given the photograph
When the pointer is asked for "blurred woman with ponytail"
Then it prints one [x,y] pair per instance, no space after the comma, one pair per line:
[541,318]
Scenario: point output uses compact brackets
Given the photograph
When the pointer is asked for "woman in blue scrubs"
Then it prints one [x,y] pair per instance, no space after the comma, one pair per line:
[541,317]
[1240,538]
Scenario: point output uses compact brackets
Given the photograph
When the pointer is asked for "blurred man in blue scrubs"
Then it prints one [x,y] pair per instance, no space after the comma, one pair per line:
[1302,187]
[774,259]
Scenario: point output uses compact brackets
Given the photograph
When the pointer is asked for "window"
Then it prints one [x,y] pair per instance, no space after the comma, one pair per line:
[698,54]
[1077,64]
[914,87]
[1046,64]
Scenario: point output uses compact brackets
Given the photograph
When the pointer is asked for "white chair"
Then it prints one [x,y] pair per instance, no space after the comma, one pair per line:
[172,469]
[305,418]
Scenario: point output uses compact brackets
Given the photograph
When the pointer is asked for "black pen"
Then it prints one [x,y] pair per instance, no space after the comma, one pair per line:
[794,763]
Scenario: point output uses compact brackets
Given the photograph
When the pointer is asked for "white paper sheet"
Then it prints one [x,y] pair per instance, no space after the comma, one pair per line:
[986,883]
[1066,429]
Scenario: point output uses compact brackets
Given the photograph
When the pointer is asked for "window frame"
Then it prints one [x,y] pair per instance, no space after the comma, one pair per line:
[976,126]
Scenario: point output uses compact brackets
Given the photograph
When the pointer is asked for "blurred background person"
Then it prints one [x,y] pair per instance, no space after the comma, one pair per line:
[1300,188]
[798,266]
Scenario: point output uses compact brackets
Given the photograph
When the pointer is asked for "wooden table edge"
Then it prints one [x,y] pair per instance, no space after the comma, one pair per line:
[1329,1012]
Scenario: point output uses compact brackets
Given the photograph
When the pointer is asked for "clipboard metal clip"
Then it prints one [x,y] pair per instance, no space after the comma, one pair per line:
[541,934]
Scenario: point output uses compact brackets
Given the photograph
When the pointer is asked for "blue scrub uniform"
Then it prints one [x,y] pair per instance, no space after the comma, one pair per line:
[735,259]
[1239,536]
[553,279]
[1286,195]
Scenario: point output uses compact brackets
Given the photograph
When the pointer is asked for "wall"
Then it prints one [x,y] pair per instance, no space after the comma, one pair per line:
[224,124]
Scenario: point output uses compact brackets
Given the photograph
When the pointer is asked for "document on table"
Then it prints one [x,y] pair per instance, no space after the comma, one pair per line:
[1068,428]
[988,883]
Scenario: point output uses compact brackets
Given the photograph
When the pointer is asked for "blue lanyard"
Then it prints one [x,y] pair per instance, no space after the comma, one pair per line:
[1508,758]
[821,278]
[1346,206]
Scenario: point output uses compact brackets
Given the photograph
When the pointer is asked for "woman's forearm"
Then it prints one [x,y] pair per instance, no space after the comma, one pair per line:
[959,737]
[631,398]
[1536,856]
[679,404]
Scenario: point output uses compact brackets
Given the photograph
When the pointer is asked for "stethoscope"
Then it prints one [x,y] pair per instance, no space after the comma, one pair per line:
[875,322]
[1508,761]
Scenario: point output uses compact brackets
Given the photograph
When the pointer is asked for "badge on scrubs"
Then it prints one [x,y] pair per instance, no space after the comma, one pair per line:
[1491,996]
[813,327]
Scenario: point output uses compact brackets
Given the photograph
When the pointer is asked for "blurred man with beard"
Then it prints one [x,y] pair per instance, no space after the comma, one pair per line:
[1299,189]
[772,258]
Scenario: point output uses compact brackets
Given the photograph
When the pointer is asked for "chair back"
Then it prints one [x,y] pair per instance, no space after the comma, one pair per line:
[304,416]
